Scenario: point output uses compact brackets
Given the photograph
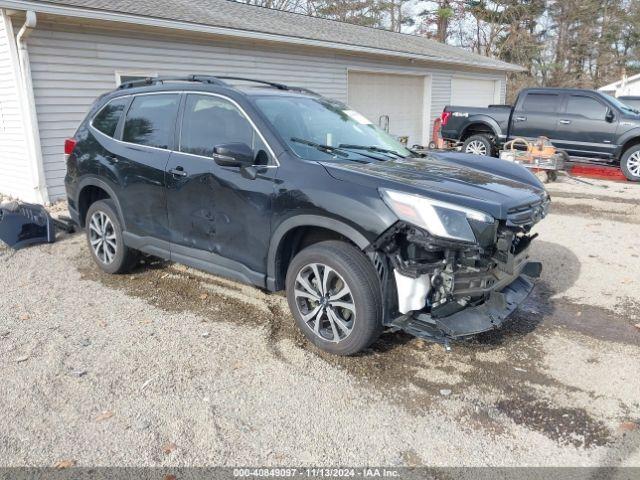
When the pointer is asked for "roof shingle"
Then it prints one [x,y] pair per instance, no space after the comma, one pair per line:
[239,16]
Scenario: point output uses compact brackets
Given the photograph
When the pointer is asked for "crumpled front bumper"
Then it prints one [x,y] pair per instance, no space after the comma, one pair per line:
[489,315]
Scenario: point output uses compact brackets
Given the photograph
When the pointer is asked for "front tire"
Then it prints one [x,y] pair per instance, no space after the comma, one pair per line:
[630,164]
[334,294]
[478,145]
[104,236]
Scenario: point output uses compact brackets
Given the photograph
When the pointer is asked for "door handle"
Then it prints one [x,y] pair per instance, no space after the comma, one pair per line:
[178,171]
[565,122]
[521,119]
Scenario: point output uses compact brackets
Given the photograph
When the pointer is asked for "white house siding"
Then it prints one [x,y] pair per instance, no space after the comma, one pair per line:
[71,65]
[15,170]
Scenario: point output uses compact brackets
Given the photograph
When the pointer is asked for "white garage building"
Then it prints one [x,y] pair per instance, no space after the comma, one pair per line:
[57,56]
[627,86]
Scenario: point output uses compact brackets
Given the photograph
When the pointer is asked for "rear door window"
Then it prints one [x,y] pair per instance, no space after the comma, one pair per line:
[541,103]
[586,107]
[151,120]
[108,117]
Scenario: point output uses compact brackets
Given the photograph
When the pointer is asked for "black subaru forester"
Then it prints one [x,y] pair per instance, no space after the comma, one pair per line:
[282,188]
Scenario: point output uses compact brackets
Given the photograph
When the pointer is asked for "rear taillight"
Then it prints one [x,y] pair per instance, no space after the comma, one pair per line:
[69,145]
[444,118]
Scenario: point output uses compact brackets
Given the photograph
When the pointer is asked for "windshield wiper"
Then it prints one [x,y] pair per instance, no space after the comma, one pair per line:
[370,148]
[323,148]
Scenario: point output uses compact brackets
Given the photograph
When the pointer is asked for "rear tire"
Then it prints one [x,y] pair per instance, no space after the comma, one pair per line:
[104,237]
[334,294]
[478,145]
[630,164]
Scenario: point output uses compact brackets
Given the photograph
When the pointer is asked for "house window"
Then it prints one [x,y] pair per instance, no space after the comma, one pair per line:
[131,76]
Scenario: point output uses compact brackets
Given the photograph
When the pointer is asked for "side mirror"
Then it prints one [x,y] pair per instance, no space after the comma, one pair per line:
[609,117]
[233,155]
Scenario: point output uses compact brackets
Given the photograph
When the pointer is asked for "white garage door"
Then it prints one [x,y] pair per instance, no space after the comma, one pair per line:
[400,97]
[474,93]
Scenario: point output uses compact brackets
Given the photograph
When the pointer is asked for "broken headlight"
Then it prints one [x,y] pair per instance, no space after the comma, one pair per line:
[441,219]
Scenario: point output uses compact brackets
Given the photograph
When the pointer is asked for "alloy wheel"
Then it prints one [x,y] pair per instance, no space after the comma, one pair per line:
[476,147]
[325,302]
[633,164]
[102,237]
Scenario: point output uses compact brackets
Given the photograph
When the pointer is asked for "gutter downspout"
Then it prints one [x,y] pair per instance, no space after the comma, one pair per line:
[29,107]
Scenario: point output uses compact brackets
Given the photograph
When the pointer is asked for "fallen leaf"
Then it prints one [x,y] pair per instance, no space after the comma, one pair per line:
[146,321]
[628,426]
[170,477]
[104,416]
[62,464]
[24,316]
[637,325]
[203,296]
[169,447]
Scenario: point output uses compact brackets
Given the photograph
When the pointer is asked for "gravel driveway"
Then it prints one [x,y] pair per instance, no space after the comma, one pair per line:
[170,366]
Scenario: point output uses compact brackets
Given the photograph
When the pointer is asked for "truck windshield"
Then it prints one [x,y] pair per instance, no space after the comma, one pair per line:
[304,123]
[622,106]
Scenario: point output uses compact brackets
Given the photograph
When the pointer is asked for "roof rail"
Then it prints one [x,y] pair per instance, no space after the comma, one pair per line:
[212,80]
[189,78]
[279,86]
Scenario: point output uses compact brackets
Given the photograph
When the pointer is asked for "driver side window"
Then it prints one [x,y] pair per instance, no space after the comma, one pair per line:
[587,107]
[209,121]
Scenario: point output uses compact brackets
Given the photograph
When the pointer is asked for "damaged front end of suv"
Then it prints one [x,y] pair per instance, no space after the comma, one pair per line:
[449,271]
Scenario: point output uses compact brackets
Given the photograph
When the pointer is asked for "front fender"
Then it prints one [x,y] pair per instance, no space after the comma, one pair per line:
[627,136]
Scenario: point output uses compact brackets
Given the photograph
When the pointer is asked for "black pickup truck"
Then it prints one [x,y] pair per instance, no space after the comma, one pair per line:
[590,126]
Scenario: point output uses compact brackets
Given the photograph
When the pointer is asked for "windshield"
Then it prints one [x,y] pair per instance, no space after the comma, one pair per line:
[310,125]
[622,106]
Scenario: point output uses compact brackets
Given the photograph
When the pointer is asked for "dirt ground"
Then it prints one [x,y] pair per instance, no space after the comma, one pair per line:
[171,366]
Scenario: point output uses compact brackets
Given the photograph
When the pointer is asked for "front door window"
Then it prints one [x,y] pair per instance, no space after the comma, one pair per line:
[210,121]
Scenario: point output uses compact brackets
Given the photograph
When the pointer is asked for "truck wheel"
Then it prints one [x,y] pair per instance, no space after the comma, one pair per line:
[478,145]
[334,294]
[630,164]
[104,236]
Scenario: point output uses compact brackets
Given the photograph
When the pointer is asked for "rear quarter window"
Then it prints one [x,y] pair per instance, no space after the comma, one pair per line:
[106,120]
[541,103]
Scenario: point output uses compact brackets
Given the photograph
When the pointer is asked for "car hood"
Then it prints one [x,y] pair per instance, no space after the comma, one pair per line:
[483,183]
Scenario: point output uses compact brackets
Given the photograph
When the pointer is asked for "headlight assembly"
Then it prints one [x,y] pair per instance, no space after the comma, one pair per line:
[441,219]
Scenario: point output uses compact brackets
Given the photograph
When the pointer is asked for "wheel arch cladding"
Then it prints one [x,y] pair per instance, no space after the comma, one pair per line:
[629,142]
[289,234]
[90,190]
[479,126]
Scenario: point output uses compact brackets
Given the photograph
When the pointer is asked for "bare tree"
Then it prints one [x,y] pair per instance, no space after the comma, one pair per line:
[584,43]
